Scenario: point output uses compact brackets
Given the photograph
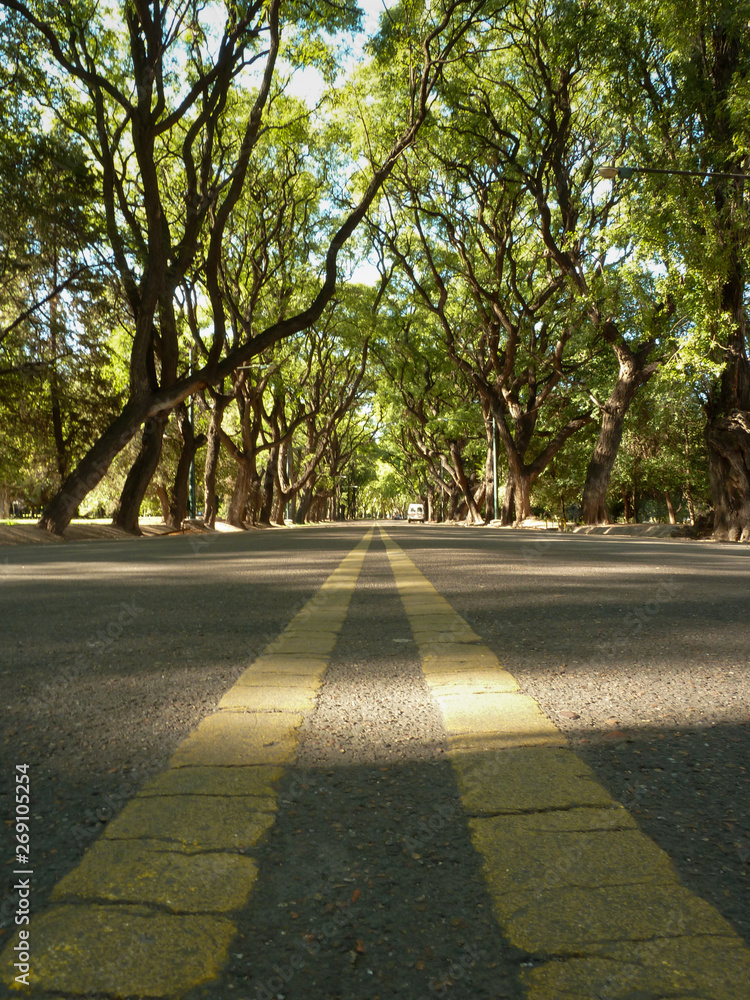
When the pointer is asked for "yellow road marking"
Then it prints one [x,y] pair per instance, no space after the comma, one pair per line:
[573,880]
[147,912]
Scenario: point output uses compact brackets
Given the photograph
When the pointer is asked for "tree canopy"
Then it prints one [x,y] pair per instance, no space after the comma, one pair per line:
[333,298]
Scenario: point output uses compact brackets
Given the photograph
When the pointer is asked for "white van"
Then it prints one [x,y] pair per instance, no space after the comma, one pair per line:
[415,512]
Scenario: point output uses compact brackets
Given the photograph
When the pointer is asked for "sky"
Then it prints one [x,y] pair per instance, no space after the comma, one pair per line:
[308,84]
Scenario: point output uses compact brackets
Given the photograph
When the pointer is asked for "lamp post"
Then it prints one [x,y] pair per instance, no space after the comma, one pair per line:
[494,465]
[347,497]
[611,172]
[191,504]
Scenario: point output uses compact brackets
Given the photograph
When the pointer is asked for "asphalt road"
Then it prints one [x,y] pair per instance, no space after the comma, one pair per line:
[637,649]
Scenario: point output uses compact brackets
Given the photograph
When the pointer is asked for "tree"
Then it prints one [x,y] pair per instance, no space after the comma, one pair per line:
[56,312]
[459,220]
[339,355]
[440,423]
[661,469]
[130,106]
[546,123]
[683,76]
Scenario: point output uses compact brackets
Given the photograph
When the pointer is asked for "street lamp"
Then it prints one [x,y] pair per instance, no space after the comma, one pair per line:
[610,172]
[191,504]
[494,465]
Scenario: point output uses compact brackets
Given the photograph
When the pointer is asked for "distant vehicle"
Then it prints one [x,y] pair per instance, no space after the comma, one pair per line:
[415,512]
[397,516]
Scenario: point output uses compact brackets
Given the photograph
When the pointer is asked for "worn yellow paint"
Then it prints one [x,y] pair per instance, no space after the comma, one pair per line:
[195,822]
[125,951]
[259,780]
[148,911]
[291,670]
[150,871]
[695,967]
[573,880]
[530,779]
[308,643]
[268,698]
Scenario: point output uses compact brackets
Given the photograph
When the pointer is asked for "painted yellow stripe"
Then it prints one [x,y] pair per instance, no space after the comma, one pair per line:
[148,912]
[573,880]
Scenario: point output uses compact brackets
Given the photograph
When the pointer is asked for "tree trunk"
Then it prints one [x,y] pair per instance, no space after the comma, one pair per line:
[454,498]
[728,430]
[163,496]
[517,501]
[279,508]
[91,469]
[213,451]
[190,445]
[670,508]
[606,448]
[521,476]
[728,441]
[264,515]
[489,474]
[304,506]
[141,473]
[634,371]
[238,503]
[254,496]
[432,514]
[480,496]
[473,514]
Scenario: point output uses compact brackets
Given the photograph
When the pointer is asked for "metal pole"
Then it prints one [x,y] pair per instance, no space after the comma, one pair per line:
[289,508]
[494,464]
[191,480]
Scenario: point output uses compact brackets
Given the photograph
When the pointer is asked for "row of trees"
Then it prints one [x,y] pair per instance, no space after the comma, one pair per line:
[557,296]
[179,231]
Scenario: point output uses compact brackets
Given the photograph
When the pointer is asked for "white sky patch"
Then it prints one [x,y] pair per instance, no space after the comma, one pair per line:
[308,84]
